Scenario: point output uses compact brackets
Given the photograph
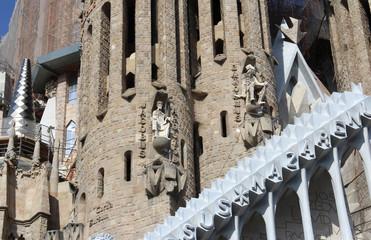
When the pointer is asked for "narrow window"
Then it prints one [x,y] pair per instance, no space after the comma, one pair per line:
[218,28]
[197,152]
[100,183]
[130,47]
[219,46]
[182,154]
[217,17]
[130,80]
[104,58]
[193,38]
[127,163]
[72,90]
[70,139]
[82,208]
[223,121]
[154,72]
[240,23]
[154,31]
[90,30]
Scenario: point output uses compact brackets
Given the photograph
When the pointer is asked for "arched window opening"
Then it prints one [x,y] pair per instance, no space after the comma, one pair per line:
[223,122]
[70,139]
[130,80]
[288,211]
[219,46]
[321,194]
[254,227]
[183,157]
[100,183]
[154,72]
[128,156]
[104,58]
[82,207]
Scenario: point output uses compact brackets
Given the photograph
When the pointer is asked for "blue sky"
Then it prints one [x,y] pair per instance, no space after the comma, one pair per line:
[6,10]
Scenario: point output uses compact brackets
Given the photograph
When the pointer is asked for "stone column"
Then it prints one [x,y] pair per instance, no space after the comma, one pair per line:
[337,185]
[303,194]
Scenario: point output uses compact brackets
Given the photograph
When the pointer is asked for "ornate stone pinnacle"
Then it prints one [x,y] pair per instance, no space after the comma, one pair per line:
[293,34]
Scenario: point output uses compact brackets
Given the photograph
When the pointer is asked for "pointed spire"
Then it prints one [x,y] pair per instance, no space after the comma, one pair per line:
[21,108]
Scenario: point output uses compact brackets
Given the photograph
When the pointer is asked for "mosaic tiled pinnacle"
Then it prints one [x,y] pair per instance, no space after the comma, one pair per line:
[22,102]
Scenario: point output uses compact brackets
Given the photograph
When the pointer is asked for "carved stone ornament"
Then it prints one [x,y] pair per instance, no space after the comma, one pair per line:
[237,103]
[102,236]
[10,155]
[142,131]
[161,175]
[73,231]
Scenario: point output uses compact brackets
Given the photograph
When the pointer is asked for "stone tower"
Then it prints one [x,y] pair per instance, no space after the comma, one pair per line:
[166,101]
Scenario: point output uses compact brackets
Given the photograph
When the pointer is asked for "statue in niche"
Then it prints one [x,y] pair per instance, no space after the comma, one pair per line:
[161,126]
[253,88]
[160,123]
[258,122]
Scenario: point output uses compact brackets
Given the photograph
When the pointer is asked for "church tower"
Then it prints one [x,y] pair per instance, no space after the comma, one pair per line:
[168,93]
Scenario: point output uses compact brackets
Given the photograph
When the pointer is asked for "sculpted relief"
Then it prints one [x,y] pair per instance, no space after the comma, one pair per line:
[258,123]
[161,175]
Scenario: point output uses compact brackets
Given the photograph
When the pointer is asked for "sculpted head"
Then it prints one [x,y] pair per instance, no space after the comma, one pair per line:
[159,105]
[250,69]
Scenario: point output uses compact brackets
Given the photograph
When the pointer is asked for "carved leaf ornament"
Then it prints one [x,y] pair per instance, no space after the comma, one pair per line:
[339,118]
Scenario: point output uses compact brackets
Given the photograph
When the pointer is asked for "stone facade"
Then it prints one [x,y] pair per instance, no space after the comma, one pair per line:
[138,161]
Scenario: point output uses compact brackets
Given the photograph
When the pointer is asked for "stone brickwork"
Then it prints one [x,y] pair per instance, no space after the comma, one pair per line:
[350,44]
[126,126]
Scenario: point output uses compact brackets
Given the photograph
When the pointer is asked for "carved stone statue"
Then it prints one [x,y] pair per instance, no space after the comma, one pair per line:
[253,88]
[10,155]
[160,123]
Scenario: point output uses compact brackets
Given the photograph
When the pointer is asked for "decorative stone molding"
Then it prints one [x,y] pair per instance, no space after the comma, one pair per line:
[161,175]
[330,124]
[73,231]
